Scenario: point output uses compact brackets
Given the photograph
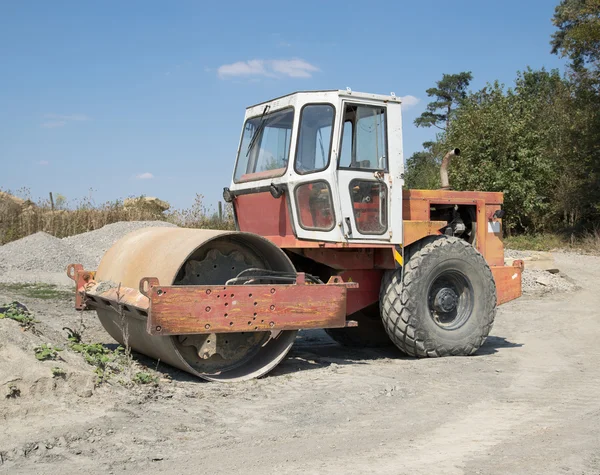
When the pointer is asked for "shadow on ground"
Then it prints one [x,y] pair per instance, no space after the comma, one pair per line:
[315,350]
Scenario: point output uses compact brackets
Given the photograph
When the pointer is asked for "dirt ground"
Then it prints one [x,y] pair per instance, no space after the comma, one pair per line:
[528,402]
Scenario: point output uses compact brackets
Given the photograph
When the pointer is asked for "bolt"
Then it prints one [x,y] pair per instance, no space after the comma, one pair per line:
[272,291]
[158,328]
[207,291]
[207,326]
[207,309]
[159,292]
[271,324]
[272,307]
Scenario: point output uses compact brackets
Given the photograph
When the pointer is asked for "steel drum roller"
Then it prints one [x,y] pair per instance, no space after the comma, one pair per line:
[178,256]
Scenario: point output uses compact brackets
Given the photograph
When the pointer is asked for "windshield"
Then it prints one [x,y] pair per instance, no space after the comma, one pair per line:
[265,147]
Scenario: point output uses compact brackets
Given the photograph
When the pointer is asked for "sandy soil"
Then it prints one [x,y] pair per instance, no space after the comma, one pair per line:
[528,402]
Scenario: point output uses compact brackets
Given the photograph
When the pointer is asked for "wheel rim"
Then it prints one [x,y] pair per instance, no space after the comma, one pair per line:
[450,299]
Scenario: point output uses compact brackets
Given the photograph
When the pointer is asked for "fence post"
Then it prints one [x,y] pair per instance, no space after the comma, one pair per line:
[220,212]
[51,201]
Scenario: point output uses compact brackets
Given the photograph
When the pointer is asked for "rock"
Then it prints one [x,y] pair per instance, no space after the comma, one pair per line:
[150,202]
[85,393]
[543,280]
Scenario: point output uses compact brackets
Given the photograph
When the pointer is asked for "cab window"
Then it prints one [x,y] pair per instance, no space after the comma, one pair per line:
[265,148]
[314,138]
[364,142]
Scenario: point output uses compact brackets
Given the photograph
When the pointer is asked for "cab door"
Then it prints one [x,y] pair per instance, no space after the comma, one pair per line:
[364,179]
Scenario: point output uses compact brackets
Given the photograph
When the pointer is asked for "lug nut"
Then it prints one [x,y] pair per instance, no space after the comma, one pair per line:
[272,291]
[272,307]
[207,291]
[271,324]
[158,328]
[207,309]
[207,326]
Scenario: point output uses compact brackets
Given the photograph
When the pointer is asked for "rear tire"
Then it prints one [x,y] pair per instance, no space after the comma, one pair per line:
[446,302]
[368,334]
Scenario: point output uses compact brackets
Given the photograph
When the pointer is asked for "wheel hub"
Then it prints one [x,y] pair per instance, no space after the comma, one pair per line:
[450,299]
[445,300]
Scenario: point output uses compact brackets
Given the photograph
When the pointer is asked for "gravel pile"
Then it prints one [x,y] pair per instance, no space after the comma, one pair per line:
[38,252]
[94,244]
[514,254]
[536,282]
[44,258]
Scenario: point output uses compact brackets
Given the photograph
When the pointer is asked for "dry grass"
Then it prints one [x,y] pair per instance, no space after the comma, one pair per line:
[20,219]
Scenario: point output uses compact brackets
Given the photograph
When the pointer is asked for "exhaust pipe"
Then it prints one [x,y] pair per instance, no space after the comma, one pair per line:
[444,167]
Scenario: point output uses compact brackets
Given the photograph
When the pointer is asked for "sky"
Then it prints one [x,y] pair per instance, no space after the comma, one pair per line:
[121,98]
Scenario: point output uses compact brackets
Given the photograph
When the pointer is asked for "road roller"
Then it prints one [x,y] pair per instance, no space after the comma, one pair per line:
[326,237]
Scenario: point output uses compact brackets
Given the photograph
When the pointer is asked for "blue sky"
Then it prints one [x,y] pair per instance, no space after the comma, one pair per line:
[145,97]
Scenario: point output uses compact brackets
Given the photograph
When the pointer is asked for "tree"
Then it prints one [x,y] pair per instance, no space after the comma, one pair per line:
[422,171]
[450,91]
[578,35]
[530,142]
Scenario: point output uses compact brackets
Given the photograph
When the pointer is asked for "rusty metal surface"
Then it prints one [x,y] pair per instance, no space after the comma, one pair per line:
[508,281]
[367,293]
[157,252]
[182,310]
[494,246]
[450,196]
[117,297]
[416,230]
[342,259]
[163,253]
[253,208]
[83,280]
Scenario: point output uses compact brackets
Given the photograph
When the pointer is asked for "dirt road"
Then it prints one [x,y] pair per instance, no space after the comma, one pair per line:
[528,402]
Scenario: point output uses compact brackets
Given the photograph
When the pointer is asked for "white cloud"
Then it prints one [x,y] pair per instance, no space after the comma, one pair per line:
[409,101]
[145,176]
[295,68]
[59,120]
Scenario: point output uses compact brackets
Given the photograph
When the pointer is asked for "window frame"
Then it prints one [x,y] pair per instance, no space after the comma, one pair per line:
[387,196]
[385,125]
[304,183]
[330,140]
[290,107]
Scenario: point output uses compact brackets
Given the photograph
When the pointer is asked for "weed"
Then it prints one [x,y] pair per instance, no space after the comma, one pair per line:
[38,291]
[104,359]
[58,372]
[13,392]
[46,352]
[145,378]
[19,313]
[73,336]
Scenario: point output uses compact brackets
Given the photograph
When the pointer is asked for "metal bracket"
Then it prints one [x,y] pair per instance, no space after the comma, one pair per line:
[146,285]
[83,279]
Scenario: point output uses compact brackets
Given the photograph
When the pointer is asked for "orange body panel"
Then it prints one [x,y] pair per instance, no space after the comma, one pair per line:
[508,281]
[270,217]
